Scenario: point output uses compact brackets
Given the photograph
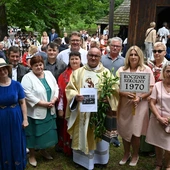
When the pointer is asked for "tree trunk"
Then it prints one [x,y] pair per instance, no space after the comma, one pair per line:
[3,22]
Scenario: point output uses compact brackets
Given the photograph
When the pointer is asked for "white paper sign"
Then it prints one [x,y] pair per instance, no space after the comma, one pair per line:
[134,82]
[89,104]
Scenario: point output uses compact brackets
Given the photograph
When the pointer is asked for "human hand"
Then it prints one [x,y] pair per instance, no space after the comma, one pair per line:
[25,123]
[136,101]
[130,95]
[54,101]
[79,98]
[163,121]
[50,105]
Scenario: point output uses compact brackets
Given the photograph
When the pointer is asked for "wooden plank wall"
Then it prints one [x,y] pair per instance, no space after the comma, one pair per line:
[142,12]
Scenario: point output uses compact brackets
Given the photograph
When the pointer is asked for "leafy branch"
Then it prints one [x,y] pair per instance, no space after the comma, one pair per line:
[106,89]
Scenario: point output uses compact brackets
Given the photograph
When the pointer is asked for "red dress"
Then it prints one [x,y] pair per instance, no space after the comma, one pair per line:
[64,140]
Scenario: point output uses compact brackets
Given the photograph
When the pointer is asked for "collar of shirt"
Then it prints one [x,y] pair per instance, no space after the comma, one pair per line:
[96,68]
[113,59]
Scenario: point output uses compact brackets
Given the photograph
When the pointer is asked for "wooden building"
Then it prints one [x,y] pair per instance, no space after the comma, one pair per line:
[121,18]
[142,12]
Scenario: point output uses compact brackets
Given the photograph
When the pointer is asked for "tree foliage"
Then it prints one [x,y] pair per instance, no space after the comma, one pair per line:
[45,14]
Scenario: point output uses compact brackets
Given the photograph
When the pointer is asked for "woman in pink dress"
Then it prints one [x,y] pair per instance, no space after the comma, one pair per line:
[156,135]
[44,38]
[133,111]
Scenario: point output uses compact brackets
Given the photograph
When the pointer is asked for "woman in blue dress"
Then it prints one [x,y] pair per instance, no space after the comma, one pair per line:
[13,120]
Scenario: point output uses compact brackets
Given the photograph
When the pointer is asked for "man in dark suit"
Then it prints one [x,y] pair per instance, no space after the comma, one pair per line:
[53,35]
[18,70]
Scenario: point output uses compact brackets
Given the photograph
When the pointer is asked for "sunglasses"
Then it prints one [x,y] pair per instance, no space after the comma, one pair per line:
[159,51]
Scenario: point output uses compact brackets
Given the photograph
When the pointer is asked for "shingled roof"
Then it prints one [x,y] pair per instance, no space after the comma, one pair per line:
[121,15]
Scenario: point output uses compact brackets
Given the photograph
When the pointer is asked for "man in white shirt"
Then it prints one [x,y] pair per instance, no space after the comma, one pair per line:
[75,43]
[163,33]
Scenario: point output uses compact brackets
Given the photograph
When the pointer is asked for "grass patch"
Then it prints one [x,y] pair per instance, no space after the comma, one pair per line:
[62,162]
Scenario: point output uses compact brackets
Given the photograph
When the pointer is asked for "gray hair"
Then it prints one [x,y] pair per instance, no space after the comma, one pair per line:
[163,69]
[116,39]
[158,44]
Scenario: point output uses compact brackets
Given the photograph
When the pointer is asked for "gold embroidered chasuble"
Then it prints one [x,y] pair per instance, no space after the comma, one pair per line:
[78,123]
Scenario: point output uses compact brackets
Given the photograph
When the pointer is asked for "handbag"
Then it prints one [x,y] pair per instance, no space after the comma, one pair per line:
[166,128]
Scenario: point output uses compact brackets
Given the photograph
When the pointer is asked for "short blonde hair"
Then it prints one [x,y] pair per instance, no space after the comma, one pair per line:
[141,58]
[32,50]
[45,33]
[158,44]
[153,24]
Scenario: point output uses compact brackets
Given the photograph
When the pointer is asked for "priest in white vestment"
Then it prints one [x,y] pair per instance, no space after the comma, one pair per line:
[87,150]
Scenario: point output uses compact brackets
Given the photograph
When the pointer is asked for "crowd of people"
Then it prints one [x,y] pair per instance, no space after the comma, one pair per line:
[41,96]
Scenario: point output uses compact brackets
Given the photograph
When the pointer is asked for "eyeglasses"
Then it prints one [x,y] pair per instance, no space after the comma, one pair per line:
[93,55]
[117,46]
[159,51]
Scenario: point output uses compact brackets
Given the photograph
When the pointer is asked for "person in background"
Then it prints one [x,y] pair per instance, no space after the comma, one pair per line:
[87,150]
[18,70]
[13,120]
[32,50]
[66,45]
[6,44]
[150,39]
[44,38]
[125,43]
[61,47]
[160,119]
[113,59]
[163,33]
[64,138]
[34,41]
[75,40]
[63,39]
[94,38]
[132,125]
[42,53]
[17,42]
[41,92]
[2,54]
[94,44]
[53,35]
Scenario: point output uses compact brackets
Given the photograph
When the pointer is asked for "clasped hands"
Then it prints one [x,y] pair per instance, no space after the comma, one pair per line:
[50,104]
[163,120]
[133,98]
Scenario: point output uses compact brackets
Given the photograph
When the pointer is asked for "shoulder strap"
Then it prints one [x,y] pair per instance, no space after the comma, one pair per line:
[149,32]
